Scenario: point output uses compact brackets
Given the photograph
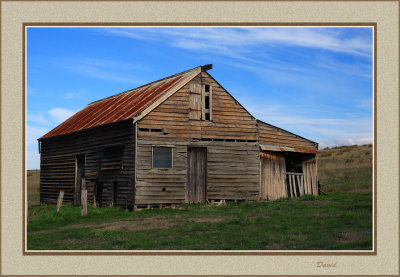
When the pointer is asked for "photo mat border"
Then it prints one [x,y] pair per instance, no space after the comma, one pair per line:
[372,25]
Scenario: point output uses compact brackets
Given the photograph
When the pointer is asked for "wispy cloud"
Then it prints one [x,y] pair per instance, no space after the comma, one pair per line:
[58,115]
[31,90]
[37,118]
[74,94]
[33,133]
[241,38]
[345,141]
[259,46]
[103,69]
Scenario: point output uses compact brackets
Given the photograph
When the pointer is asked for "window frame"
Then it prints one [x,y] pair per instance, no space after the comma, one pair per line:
[205,111]
[172,156]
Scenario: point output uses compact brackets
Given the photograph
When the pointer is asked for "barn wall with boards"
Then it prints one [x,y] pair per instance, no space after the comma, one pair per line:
[102,156]
[229,137]
[181,139]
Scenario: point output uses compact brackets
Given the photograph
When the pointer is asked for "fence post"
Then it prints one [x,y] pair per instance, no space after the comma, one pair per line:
[60,200]
[84,202]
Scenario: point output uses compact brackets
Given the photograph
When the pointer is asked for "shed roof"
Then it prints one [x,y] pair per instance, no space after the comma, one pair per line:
[125,105]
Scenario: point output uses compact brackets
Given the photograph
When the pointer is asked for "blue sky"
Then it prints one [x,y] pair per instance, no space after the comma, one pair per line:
[315,82]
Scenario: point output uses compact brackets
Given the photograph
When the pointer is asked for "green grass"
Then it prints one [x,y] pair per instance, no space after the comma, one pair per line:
[334,221]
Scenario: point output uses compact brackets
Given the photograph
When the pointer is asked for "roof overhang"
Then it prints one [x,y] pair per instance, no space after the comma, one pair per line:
[272,147]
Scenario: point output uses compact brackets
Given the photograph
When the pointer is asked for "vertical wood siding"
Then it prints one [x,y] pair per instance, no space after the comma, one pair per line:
[273,169]
[232,165]
[58,156]
[310,176]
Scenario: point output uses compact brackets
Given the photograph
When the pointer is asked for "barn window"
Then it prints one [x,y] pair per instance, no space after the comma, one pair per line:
[207,103]
[162,157]
[200,102]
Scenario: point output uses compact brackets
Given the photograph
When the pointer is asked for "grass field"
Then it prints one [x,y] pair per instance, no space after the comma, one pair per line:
[346,169]
[341,219]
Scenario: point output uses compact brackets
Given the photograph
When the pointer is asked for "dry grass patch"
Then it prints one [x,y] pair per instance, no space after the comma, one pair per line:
[346,237]
[207,219]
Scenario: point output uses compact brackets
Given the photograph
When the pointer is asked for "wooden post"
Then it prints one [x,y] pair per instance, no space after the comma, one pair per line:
[84,202]
[94,201]
[299,185]
[290,184]
[60,200]
[294,185]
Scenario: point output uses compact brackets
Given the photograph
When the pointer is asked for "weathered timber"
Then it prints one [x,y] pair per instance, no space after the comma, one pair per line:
[84,202]
[59,201]
[215,148]
[62,151]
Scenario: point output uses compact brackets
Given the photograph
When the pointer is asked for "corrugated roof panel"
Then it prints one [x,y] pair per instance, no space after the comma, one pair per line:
[118,107]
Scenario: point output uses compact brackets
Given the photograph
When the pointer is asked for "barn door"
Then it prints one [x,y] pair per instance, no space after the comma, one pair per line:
[196,175]
[273,168]
[79,175]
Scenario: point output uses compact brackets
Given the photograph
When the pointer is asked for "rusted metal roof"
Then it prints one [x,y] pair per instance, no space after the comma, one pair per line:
[121,106]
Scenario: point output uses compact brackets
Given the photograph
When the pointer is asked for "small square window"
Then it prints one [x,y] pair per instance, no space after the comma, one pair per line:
[162,157]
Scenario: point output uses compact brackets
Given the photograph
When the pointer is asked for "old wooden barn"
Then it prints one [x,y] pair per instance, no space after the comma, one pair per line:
[181,139]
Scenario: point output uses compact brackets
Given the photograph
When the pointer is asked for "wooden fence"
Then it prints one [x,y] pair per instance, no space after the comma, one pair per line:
[295,184]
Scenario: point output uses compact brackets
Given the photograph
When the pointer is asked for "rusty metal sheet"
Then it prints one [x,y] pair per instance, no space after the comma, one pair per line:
[118,107]
[271,147]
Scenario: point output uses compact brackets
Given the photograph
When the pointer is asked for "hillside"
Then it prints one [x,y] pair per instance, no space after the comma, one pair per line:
[346,169]
[33,182]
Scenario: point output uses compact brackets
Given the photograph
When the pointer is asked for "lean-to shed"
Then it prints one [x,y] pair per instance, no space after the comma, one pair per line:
[181,139]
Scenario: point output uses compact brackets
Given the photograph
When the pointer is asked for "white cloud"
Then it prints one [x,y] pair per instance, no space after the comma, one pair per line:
[58,115]
[30,90]
[365,103]
[103,69]
[33,133]
[37,118]
[74,94]
[344,141]
[240,38]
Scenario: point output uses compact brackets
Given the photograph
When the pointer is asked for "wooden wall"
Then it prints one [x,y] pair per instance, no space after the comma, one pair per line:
[310,174]
[230,138]
[276,136]
[58,158]
[272,179]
